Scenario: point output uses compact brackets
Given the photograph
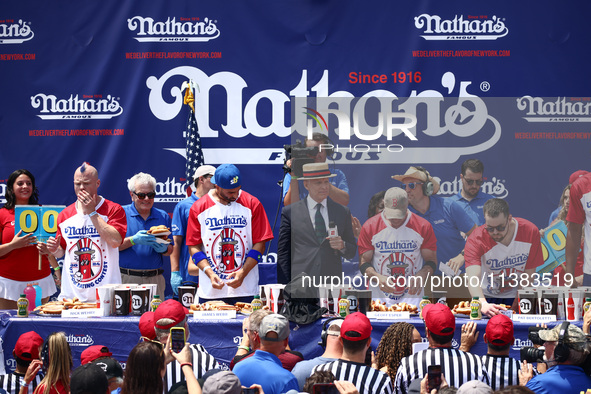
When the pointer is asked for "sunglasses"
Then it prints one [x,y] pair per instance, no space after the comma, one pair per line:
[470,182]
[500,228]
[411,185]
[141,196]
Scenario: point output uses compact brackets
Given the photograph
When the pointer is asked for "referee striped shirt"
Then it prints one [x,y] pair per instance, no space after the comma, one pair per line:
[502,370]
[202,362]
[367,380]
[12,382]
[457,366]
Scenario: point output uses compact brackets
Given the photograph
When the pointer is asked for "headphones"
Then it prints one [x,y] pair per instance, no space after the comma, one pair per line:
[324,333]
[428,185]
[561,351]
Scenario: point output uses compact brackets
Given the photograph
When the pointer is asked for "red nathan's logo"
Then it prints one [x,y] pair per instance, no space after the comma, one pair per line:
[227,251]
[192,29]
[88,263]
[12,32]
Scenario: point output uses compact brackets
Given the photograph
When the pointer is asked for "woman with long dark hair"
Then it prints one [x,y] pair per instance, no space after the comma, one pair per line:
[145,369]
[19,257]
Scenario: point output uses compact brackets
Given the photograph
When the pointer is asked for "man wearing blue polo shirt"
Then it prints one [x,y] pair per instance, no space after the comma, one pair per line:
[179,259]
[448,218]
[471,197]
[141,254]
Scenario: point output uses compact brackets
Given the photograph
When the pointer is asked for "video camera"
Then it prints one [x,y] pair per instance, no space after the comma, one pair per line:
[530,353]
[299,154]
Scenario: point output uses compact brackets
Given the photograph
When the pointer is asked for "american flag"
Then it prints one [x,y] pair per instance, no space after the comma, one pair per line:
[193,148]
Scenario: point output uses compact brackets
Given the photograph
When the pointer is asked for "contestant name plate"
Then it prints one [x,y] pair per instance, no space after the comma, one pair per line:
[214,315]
[80,313]
[389,315]
[533,318]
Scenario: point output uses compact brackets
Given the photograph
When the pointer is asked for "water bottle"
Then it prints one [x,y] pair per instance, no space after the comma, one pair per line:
[30,294]
[38,294]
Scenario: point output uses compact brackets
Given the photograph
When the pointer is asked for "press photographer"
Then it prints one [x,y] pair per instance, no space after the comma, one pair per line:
[311,153]
[566,352]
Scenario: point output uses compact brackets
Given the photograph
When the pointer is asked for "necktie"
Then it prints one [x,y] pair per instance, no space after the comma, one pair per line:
[319,225]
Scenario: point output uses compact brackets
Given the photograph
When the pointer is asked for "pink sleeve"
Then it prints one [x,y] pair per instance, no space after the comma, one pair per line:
[535,258]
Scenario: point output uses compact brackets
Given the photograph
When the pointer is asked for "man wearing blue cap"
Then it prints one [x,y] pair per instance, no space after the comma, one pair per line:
[226,235]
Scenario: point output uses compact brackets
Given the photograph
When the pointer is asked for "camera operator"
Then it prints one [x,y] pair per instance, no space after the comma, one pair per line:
[566,350]
[339,190]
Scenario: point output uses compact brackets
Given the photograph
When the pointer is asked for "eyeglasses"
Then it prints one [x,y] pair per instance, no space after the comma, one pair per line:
[411,185]
[470,182]
[500,228]
[141,196]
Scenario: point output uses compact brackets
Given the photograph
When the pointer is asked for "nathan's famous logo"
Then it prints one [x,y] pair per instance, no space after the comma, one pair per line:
[15,32]
[227,251]
[88,107]
[398,267]
[492,185]
[80,340]
[460,27]
[173,30]
[460,113]
[558,109]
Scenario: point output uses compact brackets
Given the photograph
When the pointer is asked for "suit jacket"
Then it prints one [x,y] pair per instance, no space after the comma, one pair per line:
[300,251]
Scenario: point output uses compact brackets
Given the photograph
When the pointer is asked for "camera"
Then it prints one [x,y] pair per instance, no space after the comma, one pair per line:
[534,336]
[299,154]
[531,354]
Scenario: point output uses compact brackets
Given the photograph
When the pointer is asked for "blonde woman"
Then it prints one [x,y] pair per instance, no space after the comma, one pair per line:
[57,356]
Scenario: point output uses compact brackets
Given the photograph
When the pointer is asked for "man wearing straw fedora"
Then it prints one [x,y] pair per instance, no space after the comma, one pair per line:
[308,242]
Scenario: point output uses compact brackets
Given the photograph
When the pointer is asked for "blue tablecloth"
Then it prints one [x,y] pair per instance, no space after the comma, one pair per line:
[220,338]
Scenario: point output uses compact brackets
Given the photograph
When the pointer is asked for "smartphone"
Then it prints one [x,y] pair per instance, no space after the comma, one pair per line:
[324,388]
[250,391]
[177,339]
[433,377]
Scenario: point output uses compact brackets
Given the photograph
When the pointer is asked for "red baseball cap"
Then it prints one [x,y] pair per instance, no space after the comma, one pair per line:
[91,353]
[438,319]
[147,325]
[356,322]
[576,175]
[499,330]
[27,346]
[170,309]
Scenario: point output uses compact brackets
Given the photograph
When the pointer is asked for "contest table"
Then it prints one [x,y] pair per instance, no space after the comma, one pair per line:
[220,337]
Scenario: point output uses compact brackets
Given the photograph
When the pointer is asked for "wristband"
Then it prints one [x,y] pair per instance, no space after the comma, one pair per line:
[363,267]
[244,348]
[198,256]
[131,241]
[430,264]
[57,268]
[93,213]
[189,364]
[207,268]
[255,254]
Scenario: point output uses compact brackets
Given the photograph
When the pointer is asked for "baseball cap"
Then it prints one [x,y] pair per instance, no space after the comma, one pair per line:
[438,319]
[356,322]
[574,337]
[576,175]
[169,309]
[334,328]
[274,323]
[88,378]
[227,176]
[419,175]
[110,366]
[225,382]
[474,387]
[499,330]
[203,170]
[395,203]
[91,353]
[27,346]
[146,325]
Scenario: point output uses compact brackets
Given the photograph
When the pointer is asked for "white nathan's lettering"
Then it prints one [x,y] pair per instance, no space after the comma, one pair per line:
[15,33]
[435,27]
[149,30]
[74,107]
[493,186]
[539,106]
